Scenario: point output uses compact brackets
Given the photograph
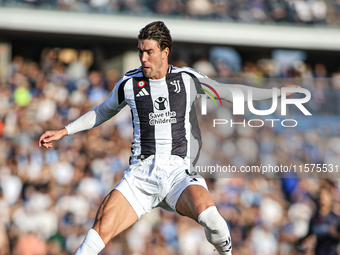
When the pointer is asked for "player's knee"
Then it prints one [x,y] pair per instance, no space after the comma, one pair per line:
[216,228]
[211,219]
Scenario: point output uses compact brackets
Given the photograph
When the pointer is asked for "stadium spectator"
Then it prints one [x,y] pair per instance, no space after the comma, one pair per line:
[324,225]
[307,12]
[30,244]
[97,158]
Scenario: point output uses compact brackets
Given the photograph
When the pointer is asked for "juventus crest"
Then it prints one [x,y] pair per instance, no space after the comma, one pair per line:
[177,85]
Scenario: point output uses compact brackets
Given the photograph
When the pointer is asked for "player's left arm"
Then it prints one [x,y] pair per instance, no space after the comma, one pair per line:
[228,92]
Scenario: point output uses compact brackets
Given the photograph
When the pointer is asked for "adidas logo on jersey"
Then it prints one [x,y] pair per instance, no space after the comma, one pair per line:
[142,93]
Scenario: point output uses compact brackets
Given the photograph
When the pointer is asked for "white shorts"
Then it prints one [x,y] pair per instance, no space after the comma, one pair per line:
[157,181]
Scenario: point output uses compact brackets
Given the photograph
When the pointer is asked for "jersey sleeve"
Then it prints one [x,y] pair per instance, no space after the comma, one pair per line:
[197,77]
[227,91]
[106,110]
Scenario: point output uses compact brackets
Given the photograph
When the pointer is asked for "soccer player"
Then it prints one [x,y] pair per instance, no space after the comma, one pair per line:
[164,121]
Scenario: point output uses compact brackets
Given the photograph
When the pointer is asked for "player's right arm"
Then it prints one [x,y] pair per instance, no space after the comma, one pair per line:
[49,136]
[93,118]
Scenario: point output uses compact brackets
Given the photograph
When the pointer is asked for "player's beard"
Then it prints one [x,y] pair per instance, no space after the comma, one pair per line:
[148,72]
[153,70]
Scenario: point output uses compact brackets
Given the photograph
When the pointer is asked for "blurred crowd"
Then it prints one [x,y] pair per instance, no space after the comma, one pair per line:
[49,197]
[317,12]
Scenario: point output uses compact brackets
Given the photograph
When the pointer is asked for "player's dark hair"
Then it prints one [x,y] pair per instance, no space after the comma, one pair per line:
[157,31]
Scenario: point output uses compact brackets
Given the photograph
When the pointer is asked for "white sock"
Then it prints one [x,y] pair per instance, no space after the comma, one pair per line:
[92,244]
[216,230]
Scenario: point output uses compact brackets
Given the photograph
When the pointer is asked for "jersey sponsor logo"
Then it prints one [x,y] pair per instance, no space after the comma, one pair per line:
[177,85]
[142,93]
[162,118]
[155,118]
[161,103]
[141,84]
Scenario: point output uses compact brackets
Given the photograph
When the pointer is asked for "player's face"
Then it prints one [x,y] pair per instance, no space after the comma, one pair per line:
[154,60]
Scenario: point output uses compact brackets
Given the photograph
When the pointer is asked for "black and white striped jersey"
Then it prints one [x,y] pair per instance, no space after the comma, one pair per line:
[163,112]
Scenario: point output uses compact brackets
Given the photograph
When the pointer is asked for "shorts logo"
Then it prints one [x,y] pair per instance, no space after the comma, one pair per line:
[177,86]
[141,84]
[161,103]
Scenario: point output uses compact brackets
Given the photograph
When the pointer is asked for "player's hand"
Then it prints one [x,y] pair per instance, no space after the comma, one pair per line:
[49,136]
[289,86]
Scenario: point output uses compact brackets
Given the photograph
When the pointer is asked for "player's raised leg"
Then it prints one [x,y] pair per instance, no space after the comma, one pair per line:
[197,203]
[114,215]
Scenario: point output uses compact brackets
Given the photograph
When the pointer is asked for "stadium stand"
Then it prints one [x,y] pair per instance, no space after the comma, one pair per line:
[260,11]
[55,193]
